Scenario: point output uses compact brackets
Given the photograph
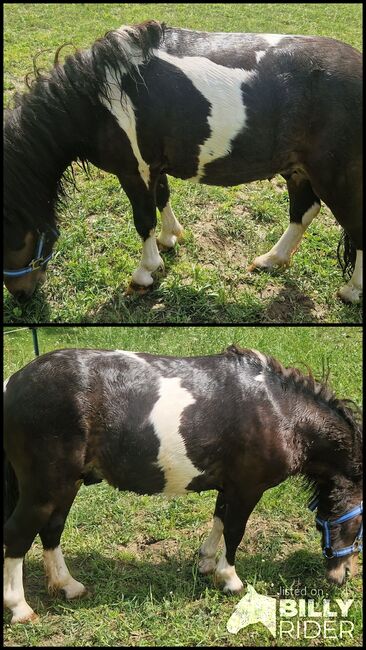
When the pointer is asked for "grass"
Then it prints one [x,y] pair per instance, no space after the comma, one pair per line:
[225,228]
[138,554]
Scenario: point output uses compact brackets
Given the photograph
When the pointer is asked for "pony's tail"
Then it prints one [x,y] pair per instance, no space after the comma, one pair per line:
[346,254]
[11,489]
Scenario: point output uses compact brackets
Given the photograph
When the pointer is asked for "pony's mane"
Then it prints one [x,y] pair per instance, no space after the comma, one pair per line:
[292,377]
[56,114]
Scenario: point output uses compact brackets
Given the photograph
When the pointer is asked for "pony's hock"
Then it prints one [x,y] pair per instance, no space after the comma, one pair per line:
[217,108]
[237,422]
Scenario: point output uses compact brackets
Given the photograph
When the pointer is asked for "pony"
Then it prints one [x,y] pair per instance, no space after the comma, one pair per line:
[148,100]
[238,422]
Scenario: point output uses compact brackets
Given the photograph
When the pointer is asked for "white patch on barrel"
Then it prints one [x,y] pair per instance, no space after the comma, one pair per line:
[124,111]
[5,383]
[221,86]
[165,417]
[14,591]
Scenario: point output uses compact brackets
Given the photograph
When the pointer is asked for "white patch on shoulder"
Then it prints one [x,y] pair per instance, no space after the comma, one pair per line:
[132,355]
[260,356]
[274,39]
[165,417]
[260,54]
[259,377]
[124,111]
[221,87]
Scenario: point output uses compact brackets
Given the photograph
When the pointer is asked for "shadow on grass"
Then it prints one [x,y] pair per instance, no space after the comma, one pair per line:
[187,304]
[113,581]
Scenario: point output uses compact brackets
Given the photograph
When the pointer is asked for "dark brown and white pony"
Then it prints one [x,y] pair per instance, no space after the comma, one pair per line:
[237,422]
[218,108]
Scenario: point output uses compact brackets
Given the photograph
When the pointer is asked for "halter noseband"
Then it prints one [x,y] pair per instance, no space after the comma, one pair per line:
[37,262]
[326,524]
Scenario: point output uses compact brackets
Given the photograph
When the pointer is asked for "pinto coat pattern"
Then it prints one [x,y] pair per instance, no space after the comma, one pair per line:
[236,422]
[223,109]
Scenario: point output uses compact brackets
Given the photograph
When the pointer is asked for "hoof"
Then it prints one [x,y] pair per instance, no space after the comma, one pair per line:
[74,591]
[167,243]
[134,289]
[267,263]
[31,617]
[229,590]
[349,294]
[229,582]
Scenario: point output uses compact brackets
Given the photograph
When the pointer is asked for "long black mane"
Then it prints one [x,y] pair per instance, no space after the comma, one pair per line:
[51,124]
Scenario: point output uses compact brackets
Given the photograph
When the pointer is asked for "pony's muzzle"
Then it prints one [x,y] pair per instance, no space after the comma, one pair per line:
[345,568]
[22,295]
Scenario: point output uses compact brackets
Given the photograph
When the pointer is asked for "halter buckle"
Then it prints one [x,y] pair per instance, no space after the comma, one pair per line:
[36,264]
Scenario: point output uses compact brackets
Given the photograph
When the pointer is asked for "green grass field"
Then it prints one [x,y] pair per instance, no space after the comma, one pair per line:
[205,279]
[138,555]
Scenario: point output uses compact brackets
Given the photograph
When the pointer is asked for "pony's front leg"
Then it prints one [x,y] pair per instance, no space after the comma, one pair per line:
[144,215]
[237,513]
[171,229]
[150,261]
[14,597]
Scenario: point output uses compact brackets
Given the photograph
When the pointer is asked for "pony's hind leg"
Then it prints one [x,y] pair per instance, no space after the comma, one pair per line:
[352,291]
[26,521]
[208,550]
[171,229]
[304,206]
[58,576]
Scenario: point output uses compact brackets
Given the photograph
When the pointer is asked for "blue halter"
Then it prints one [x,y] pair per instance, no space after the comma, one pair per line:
[326,524]
[37,262]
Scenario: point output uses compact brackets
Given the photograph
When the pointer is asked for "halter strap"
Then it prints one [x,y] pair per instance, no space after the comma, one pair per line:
[326,524]
[37,262]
